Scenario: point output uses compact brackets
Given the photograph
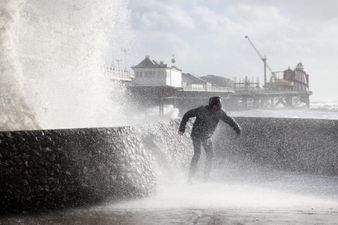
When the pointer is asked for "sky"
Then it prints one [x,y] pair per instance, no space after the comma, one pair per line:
[207,37]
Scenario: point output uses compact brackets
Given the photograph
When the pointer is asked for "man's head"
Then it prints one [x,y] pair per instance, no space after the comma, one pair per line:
[215,103]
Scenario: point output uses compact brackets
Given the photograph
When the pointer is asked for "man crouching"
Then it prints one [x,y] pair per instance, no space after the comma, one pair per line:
[207,118]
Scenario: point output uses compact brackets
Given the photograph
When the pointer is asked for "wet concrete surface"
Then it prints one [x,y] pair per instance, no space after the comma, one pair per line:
[180,216]
[285,200]
[275,198]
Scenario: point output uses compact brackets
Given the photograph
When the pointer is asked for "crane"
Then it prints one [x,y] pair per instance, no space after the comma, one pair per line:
[263,58]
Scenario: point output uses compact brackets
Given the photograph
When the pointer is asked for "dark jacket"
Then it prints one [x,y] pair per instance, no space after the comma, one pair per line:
[206,122]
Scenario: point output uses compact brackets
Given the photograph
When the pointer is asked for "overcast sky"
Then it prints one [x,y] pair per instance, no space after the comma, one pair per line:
[207,37]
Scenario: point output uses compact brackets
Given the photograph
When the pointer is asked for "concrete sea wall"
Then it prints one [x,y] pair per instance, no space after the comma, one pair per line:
[53,169]
[303,145]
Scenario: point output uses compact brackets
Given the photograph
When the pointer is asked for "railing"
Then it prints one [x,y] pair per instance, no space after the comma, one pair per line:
[208,89]
[118,74]
[267,91]
[249,90]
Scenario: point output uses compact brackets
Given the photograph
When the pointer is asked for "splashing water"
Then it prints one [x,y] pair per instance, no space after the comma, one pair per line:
[52,63]
[15,113]
[273,191]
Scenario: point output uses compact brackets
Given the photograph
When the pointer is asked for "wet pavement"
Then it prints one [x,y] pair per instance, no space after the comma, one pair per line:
[281,199]
[180,216]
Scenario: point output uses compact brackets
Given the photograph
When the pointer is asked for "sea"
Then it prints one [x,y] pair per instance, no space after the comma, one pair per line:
[317,110]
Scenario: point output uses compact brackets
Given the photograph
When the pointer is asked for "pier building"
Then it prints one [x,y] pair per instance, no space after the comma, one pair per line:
[156,74]
[194,83]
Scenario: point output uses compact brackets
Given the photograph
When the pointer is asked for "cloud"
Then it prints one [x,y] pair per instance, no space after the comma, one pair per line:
[208,36]
[158,16]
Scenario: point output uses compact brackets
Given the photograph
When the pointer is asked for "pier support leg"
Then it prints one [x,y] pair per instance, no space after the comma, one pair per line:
[307,101]
[272,102]
[245,102]
[256,102]
[264,102]
[288,101]
[161,107]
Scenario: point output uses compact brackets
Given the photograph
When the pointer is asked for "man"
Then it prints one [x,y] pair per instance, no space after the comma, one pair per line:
[207,118]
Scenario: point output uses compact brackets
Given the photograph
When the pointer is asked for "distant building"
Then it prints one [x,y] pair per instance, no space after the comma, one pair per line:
[193,83]
[298,77]
[292,80]
[152,73]
[218,81]
[211,83]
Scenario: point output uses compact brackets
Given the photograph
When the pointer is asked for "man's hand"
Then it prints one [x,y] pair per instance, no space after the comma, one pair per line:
[238,134]
[180,133]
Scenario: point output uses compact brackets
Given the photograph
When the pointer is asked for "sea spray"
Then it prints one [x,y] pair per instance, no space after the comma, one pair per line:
[61,47]
[15,114]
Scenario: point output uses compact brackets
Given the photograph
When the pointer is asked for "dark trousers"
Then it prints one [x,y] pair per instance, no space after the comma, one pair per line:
[207,145]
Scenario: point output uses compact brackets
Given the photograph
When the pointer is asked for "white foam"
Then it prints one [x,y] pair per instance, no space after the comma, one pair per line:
[232,195]
[57,51]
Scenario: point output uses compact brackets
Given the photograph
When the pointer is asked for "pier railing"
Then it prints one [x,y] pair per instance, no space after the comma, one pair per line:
[268,91]
[118,74]
[208,89]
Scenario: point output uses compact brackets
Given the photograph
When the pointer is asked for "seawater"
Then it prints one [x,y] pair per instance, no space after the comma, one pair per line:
[52,61]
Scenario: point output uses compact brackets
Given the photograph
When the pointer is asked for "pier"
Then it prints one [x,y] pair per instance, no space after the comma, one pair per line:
[234,100]
[158,84]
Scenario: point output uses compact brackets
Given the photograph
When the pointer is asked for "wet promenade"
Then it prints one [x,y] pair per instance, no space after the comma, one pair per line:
[182,216]
[281,199]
